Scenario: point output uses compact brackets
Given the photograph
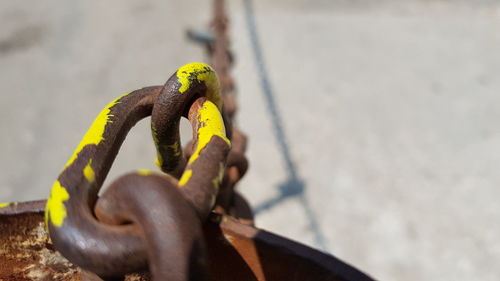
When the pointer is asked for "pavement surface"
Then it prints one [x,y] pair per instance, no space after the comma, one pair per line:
[373,128]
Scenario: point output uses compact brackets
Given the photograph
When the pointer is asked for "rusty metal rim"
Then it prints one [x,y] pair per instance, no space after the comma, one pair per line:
[287,246]
[17,208]
[232,226]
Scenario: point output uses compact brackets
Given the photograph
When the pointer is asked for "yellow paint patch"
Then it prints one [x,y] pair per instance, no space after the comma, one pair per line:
[218,180]
[185,177]
[55,208]
[94,135]
[211,125]
[159,161]
[88,172]
[175,148]
[7,204]
[200,72]
[144,172]
[154,133]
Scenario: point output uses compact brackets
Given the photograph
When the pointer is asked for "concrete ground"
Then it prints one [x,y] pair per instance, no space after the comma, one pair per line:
[373,128]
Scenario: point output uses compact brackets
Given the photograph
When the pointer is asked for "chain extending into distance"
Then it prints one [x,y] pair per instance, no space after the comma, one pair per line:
[229,201]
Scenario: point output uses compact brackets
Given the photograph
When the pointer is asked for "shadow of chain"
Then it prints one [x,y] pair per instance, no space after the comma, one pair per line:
[293,187]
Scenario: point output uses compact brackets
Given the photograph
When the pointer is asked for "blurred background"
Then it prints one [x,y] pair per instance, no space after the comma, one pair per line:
[373,126]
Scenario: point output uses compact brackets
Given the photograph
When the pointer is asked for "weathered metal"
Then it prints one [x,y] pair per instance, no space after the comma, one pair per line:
[74,229]
[121,243]
[186,224]
[235,252]
[166,223]
[229,201]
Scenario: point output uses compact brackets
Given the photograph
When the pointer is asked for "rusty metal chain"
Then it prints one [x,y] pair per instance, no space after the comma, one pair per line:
[229,201]
[146,218]
[217,46]
[143,216]
[164,221]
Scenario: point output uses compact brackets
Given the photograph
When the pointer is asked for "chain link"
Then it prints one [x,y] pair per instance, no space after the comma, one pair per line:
[145,218]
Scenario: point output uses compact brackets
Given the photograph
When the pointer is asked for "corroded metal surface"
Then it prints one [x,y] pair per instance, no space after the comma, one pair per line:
[235,252]
[186,224]
[111,242]
[116,241]
[229,201]
[26,252]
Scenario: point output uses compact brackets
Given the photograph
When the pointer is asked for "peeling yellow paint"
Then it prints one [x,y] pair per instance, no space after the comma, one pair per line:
[159,161]
[144,172]
[159,158]
[185,177]
[175,148]
[55,208]
[187,75]
[211,125]
[154,133]
[218,180]
[88,172]
[94,135]
[197,71]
